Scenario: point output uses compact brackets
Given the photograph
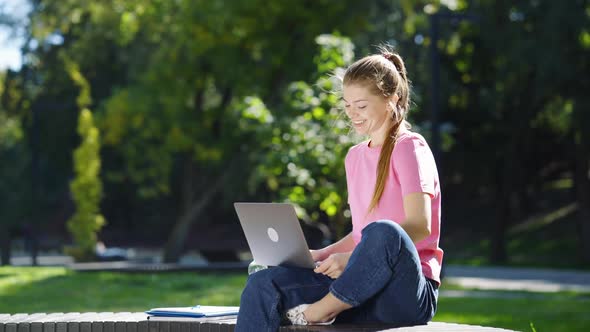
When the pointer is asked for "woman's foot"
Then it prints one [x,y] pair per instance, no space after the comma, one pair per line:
[296,317]
[324,310]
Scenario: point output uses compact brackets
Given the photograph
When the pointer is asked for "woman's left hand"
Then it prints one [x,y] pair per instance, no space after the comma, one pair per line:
[334,265]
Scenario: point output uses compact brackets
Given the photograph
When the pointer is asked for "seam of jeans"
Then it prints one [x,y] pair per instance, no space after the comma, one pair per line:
[343,298]
[271,314]
[428,313]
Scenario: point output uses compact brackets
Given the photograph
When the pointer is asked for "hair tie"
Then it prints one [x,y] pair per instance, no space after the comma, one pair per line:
[388,56]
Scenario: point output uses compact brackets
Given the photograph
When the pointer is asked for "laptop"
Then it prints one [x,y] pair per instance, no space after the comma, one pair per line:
[274,234]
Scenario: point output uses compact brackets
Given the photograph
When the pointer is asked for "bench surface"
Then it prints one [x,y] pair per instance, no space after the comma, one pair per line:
[139,322]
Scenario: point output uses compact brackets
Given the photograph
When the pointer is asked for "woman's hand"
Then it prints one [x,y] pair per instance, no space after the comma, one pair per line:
[318,255]
[334,265]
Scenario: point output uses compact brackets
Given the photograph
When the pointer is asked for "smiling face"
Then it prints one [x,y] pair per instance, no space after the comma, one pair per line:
[367,112]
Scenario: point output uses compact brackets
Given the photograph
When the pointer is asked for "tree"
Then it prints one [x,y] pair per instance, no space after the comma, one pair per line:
[201,103]
[14,188]
[86,187]
[178,71]
[305,153]
[15,185]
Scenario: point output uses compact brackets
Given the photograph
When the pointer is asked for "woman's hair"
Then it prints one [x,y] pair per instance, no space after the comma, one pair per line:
[384,74]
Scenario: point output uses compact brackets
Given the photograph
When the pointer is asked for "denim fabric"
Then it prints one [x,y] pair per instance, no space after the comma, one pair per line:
[383,281]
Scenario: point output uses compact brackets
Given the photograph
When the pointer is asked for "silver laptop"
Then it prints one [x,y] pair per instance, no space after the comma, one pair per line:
[274,234]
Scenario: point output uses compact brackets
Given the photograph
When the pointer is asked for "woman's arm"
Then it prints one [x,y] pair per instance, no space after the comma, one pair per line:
[417,207]
[346,244]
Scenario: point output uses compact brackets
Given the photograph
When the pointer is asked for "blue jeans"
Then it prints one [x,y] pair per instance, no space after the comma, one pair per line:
[383,281]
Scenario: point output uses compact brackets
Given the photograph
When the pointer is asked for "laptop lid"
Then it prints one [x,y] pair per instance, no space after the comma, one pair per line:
[274,234]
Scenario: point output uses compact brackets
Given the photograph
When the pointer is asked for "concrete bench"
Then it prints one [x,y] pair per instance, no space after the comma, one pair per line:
[139,322]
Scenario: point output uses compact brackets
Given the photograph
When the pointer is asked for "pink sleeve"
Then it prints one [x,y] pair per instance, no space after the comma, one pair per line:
[414,166]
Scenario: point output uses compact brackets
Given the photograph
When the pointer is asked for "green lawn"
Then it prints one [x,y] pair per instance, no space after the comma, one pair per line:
[59,290]
[558,314]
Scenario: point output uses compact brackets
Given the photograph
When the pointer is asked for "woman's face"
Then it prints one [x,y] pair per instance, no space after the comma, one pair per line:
[367,112]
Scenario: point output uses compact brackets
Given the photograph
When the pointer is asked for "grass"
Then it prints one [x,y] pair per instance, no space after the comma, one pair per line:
[550,314]
[544,235]
[530,244]
[60,290]
[28,289]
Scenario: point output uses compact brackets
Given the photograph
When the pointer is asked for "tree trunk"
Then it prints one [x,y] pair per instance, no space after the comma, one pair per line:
[498,245]
[4,246]
[177,239]
[512,173]
[582,185]
[34,248]
[226,97]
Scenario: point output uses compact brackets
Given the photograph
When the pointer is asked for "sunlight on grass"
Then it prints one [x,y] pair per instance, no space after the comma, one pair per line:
[13,278]
[557,315]
[536,222]
[561,184]
[47,290]
[58,290]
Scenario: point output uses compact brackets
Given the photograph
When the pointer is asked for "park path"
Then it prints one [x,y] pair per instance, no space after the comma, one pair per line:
[513,282]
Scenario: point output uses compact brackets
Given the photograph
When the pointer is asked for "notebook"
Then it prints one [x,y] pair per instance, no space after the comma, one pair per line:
[194,312]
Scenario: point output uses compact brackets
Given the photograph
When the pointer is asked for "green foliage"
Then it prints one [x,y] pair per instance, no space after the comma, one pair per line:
[11,132]
[335,52]
[84,99]
[304,164]
[14,186]
[187,65]
[183,89]
[181,92]
[86,188]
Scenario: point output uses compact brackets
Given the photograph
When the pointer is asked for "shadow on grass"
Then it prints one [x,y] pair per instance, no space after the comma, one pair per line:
[554,245]
[109,291]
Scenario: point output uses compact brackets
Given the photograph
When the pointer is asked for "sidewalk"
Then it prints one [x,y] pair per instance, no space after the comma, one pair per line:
[517,279]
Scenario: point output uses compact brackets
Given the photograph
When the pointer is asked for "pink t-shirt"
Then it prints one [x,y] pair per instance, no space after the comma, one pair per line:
[412,170]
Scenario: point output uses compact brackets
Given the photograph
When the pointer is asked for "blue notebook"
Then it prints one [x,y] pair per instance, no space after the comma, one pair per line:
[195,312]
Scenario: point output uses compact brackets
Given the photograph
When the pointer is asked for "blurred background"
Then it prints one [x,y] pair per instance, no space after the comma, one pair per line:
[133,125]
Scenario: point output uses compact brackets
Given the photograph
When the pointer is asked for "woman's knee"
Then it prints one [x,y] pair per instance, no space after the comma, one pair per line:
[387,233]
[258,281]
[383,228]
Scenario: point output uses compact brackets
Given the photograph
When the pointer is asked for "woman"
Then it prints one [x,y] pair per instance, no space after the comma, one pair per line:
[387,270]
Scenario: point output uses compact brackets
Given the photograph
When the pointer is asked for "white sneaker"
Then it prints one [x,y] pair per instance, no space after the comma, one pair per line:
[296,317]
